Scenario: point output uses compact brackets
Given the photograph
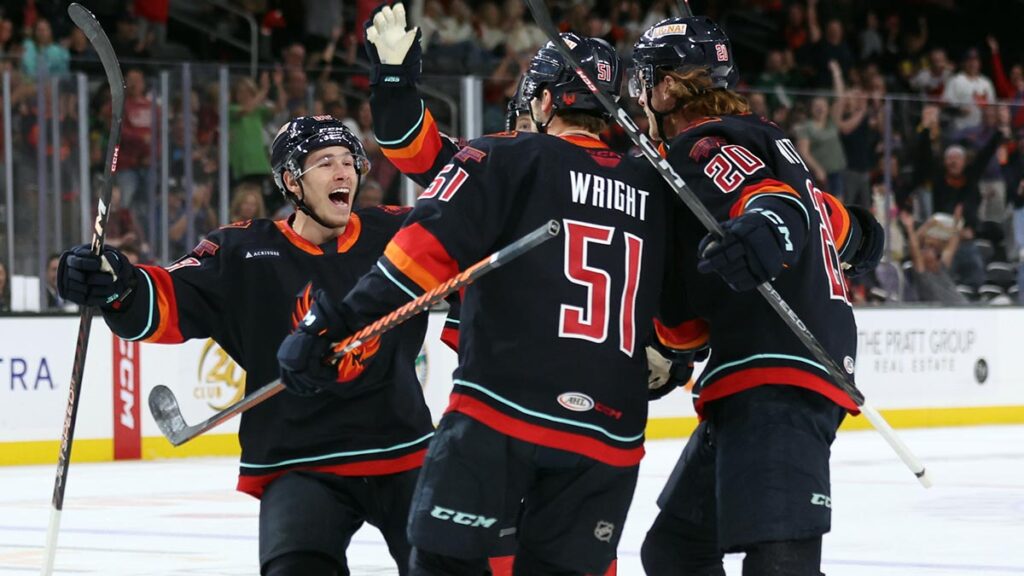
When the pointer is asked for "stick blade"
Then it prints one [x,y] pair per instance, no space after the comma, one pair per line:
[165,410]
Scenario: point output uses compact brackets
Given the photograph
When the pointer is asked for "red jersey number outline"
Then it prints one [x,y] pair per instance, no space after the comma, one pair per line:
[729,167]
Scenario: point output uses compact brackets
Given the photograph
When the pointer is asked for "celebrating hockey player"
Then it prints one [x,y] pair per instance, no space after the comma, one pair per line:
[754,476]
[549,401]
[325,462]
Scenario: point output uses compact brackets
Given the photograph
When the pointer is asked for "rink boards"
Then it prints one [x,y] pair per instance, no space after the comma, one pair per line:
[921,367]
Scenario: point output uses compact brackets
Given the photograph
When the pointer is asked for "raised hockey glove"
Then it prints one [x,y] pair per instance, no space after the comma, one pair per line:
[866,245]
[393,48]
[669,369]
[85,278]
[755,246]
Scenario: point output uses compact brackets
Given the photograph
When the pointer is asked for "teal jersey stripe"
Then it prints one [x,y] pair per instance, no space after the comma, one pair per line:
[337,455]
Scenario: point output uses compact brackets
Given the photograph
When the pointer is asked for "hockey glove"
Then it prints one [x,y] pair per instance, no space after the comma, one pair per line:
[393,48]
[303,354]
[870,243]
[754,247]
[91,280]
[669,369]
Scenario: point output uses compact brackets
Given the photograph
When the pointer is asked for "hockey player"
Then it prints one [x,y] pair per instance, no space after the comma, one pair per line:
[549,402]
[324,464]
[754,476]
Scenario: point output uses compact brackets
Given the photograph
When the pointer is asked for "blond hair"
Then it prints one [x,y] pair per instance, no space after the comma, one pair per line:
[700,97]
[244,191]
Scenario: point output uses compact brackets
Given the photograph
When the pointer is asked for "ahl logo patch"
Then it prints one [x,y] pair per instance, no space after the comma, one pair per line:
[575,401]
[604,531]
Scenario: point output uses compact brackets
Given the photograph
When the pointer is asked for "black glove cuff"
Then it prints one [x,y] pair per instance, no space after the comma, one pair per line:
[395,76]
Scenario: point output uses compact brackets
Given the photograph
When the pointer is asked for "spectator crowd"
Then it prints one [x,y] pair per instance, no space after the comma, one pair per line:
[889,109]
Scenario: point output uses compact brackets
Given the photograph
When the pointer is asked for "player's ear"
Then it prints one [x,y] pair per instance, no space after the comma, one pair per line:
[290,183]
[546,102]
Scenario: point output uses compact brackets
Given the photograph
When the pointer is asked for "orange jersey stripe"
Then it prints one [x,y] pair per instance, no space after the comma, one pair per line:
[839,219]
[689,335]
[419,155]
[766,186]
[420,256]
[167,330]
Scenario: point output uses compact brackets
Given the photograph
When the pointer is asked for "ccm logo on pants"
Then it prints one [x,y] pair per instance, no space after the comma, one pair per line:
[464,518]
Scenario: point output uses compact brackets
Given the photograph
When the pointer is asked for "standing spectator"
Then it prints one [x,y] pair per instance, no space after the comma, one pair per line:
[204,219]
[322,18]
[932,249]
[489,30]
[778,74]
[932,78]
[122,227]
[136,138]
[967,90]
[247,203]
[524,37]
[247,116]
[5,289]
[870,37]
[41,45]
[152,23]
[831,48]
[83,57]
[8,46]
[820,145]
[1008,88]
[991,187]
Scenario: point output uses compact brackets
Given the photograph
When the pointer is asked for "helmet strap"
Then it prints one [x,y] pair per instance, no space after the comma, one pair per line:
[659,116]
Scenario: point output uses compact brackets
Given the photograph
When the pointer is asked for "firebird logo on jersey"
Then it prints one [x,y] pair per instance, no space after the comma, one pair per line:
[205,248]
[304,301]
[354,363]
[703,148]
[469,153]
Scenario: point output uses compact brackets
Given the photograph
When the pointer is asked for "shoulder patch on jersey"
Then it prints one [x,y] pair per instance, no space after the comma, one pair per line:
[205,248]
[240,224]
[469,153]
[183,263]
[701,149]
[606,158]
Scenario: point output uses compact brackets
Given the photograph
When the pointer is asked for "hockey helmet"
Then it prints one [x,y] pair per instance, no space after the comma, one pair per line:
[306,134]
[549,70]
[517,106]
[680,44]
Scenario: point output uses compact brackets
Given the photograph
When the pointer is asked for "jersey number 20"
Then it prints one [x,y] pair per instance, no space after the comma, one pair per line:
[591,322]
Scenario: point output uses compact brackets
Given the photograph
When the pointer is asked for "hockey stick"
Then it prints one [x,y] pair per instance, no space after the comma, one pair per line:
[774,299]
[684,8]
[164,406]
[94,32]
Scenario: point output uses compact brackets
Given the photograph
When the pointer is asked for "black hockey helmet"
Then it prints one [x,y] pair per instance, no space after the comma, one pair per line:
[549,70]
[681,44]
[517,106]
[306,134]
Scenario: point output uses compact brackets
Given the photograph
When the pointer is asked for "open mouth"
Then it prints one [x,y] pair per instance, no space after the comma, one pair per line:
[339,197]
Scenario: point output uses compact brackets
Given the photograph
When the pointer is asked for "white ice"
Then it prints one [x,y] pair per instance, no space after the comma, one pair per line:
[175,517]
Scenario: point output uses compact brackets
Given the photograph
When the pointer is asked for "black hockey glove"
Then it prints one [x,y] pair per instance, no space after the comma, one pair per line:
[870,243]
[396,57]
[754,248]
[85,278]
[669,369]
[302,354]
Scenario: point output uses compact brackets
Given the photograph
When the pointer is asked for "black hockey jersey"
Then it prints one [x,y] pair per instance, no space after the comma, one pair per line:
[239,287]
[733,163]
[551,345]
[408,135]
